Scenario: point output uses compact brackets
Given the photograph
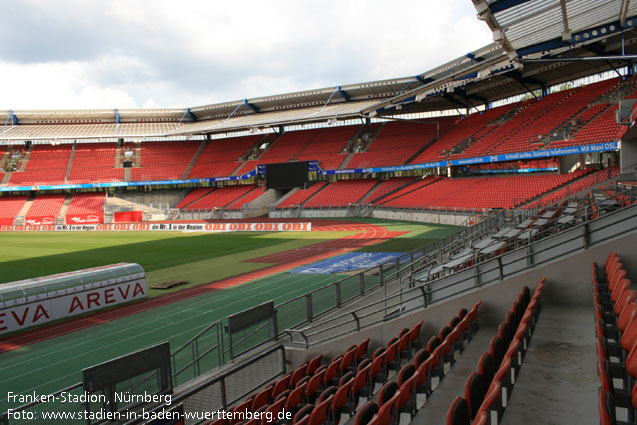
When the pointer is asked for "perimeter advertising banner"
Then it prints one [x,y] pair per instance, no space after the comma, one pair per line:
[166,227]
[22,316]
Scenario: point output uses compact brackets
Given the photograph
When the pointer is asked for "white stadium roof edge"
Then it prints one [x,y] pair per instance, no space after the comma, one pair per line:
[539,43]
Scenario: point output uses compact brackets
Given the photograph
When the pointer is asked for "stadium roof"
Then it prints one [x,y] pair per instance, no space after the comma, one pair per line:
[539,43]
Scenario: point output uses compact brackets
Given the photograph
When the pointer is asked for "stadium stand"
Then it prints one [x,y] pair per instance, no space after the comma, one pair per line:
[193,195]
[471,127]
[301,195]
[328,146]
[487,391]
[95,163]
[479,192]
[86,208]
[10,206]
[247,198]
[164,160]
[44,209]
[386,187]
[220,198]
[341,193]
[46,164]
[398,141]
[219,158]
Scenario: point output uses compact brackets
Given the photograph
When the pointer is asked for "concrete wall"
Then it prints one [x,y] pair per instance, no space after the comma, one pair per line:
[568,283]
[424,217]
[416,216]
[628,155]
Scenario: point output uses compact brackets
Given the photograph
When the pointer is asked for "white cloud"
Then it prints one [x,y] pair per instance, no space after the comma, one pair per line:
[168,54]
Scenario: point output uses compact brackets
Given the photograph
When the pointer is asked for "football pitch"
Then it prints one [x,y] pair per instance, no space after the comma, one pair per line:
[55,363]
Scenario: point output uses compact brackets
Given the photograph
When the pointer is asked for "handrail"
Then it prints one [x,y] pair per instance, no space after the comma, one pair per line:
[475,277]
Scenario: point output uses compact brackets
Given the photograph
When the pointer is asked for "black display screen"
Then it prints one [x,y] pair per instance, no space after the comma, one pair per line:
[286,175]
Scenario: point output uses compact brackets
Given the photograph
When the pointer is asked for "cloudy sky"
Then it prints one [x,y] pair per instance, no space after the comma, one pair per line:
[79,54]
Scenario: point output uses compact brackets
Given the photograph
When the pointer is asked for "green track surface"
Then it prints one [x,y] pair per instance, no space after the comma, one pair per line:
[57,363]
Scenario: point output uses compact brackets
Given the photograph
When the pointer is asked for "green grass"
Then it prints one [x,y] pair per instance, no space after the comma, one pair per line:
[54,364]
[28,255]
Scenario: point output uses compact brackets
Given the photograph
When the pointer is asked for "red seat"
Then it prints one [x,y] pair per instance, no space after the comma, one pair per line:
[458,413]
[319,413]
[314,364]
[295,398]
[280,386]
[606,407]
[313,386]
[366,413]
[474,390]
[273,411]
[361,350]
[298,374]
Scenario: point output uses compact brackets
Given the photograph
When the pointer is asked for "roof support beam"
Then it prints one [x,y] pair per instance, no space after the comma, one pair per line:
[566,35]
[455,103]
[252,106]
[624,12]
[340,93]
[514,75]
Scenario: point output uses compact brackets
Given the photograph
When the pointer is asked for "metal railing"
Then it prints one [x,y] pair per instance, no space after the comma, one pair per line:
[228,387]
[552,246]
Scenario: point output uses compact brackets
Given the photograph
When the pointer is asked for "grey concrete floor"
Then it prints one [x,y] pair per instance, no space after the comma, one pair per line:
[435,409]
[558,381]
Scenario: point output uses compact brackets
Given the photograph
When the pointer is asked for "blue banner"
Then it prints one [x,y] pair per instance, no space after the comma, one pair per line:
[348,262]
[600,147]
[314,166]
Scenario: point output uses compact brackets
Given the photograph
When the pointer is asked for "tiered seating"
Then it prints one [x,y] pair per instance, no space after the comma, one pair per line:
[327,146]
[87,203]
[193,195]
[10,206]
[95,163]
[164,160]
[472,126]
[318,393]
[503,139]
[481,192]
[46,165]
[578,185]
[416,377]
[249,197]
[218,159]
[301,195]
[407,190]
[616,330]
[398,141]
[45,208]
[488,390]
[220,198]
[387,186]
[603,128]
[341,193]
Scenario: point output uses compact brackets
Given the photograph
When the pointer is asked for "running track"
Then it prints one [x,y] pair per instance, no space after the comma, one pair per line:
[368,234]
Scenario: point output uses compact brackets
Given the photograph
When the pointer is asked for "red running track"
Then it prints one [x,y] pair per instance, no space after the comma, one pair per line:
[369,234]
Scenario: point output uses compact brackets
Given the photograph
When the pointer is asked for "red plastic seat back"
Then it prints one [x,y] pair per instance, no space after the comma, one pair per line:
[458,413]
[361,349]
[627,315]
[366,413]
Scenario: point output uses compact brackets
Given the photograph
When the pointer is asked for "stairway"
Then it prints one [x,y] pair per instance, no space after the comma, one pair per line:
[68,168]
[60,218]
[194,159]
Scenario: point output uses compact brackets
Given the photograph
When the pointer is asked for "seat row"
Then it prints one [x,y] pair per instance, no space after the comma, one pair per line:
[616,332]
[417,377]
[488,390]
[319,392]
